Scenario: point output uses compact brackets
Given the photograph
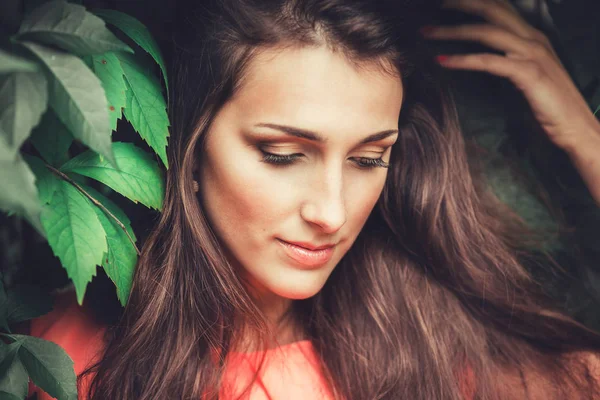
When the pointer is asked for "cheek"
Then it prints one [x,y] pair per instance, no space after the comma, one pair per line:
[239,198]
[362,197]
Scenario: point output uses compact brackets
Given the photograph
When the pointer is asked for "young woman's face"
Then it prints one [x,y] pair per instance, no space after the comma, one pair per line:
[266,182]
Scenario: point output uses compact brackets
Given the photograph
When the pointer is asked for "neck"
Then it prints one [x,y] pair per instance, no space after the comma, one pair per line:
[281,324]
[280,320]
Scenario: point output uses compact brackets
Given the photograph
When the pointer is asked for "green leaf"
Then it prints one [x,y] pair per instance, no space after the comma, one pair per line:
[52,139]
[49,367]
[8,396]
[70,27]
[139,178]
[77,97]
[120,260]
[138,33]
[13,377]
[146,107]
[75,235]
[46,182]
[18,192]
[23,100]
[108,69]
[27,302]
[12,63]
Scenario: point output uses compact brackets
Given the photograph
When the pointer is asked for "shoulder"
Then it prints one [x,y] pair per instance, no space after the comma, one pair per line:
[591,360]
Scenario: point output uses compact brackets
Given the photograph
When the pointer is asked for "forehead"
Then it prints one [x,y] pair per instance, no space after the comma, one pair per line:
[314,88]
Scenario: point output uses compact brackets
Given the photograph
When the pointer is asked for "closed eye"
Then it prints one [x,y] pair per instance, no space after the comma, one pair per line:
[288,159]
[280,159]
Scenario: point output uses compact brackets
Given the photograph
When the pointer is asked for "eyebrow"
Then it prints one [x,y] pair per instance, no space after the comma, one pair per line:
[314,136]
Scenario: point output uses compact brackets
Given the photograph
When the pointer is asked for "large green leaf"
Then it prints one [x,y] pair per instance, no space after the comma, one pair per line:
[120,260]
[77,97]
[13,377]
[108,68]
[23,99]
[12,63]
[52,139]
[70,27]
[139,178]
[18,192]
[49,367]
[138,33]
[146,106]
[75,235]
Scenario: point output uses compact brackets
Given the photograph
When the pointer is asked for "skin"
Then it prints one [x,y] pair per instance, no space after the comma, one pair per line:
[324,196]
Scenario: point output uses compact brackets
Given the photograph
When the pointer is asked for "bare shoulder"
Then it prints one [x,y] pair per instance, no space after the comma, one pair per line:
[591,359]
[585,365]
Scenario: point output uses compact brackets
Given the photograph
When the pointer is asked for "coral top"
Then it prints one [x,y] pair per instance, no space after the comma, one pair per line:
[289,372]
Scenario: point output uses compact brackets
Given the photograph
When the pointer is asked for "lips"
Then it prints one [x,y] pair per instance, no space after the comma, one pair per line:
[308,257]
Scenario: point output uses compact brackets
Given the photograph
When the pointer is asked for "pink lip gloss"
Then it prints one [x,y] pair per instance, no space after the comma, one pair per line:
[306,257]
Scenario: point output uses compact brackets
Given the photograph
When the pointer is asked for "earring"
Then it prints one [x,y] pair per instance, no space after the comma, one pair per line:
[195,186]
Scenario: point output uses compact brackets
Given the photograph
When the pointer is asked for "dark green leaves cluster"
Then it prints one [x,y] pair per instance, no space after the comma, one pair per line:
[25,357]
[66,77]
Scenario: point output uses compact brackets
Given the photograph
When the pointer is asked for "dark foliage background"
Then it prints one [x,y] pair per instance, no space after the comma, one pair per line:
[523,167]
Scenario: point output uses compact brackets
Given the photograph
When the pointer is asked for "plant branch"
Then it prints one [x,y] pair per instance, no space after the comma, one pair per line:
[65,177]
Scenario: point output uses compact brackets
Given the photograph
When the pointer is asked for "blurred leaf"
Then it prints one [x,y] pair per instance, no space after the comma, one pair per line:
[139,178]
[120,260]
[513,193]
[77,97]
[13,377]
[23,100]
[12,63]
[108,69]
[27,302]
[70,27]
[52,139]
[18,192]
[3,310]
[138,33]
[75,235]
[49,367]
[146,106]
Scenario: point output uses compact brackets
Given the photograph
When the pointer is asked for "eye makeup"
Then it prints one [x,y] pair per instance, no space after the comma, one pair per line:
[289,159]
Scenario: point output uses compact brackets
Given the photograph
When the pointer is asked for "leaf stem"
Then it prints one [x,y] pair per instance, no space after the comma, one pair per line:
[65,177]
[9,335]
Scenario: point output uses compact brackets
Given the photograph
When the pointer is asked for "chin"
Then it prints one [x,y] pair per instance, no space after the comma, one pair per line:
[298,289]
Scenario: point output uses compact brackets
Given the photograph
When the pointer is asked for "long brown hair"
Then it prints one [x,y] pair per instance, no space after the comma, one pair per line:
[435,281]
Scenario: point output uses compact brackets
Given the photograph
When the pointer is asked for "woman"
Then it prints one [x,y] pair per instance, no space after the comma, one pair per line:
[320,207]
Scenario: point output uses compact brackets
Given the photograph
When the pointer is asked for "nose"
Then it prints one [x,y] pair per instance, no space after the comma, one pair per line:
[325,206]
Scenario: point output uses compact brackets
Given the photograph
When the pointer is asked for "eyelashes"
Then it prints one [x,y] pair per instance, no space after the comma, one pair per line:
[288,159]
[279,159]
